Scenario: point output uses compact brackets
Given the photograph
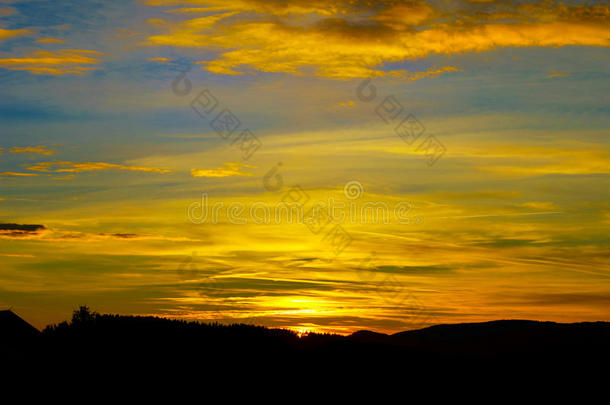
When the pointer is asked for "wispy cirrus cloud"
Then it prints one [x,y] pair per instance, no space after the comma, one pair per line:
[16,255]
[537,161]
[58,62]
[41,150]
[17,174]
[51,41]
[159,59]
[227,170]
[77,167]
[52,234]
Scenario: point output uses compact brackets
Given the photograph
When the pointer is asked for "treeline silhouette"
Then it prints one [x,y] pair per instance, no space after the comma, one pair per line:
[104,336]
[90,338]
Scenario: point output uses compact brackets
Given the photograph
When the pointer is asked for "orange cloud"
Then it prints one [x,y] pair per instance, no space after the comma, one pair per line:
[60,62]
[5,34]
[42,150]
[159,59]
[51,41]
[18,174]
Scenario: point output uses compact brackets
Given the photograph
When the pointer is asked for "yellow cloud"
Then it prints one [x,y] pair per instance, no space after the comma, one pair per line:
[73,167]
[42,150]
[60,62]
[348,40]
[229,169]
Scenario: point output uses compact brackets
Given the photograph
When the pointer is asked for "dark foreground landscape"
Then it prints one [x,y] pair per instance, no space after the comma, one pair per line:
[91,338]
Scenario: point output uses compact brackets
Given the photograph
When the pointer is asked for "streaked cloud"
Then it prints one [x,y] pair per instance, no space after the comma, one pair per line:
[56,234]
[159,59]
[59,62]
[553,161]
[6,34]
[17,174]
[539,205]
[51,41]
[18,231]
[77,167]
[16,255]
[41,150]
[227,170]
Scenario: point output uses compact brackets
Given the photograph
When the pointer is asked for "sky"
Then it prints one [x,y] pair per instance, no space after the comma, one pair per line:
[316,165]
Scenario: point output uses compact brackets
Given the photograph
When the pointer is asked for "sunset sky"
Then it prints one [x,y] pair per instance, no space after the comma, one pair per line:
[107,147]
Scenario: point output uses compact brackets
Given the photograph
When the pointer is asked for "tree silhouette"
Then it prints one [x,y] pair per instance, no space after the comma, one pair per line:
[83,316]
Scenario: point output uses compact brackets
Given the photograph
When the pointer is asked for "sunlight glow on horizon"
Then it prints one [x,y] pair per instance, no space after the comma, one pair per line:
[465,148]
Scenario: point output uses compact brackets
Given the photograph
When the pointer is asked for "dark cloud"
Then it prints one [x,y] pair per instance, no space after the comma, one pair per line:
[18,230]
[415,269]
[121,235]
